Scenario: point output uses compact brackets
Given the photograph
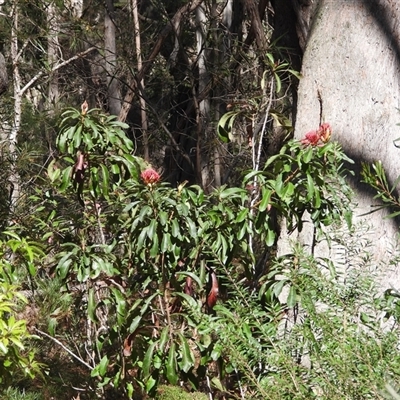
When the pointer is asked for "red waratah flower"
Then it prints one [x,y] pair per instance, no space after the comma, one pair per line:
[150,176]
[325,132]
[311,138]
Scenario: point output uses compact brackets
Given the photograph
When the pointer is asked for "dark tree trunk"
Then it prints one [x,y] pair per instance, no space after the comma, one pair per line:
[3,75]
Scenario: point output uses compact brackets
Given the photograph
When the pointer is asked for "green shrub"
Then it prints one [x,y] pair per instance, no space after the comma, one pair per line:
[15,359]
[165,392]
[15,394]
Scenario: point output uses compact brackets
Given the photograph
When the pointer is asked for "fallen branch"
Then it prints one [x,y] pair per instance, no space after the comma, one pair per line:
[65,348]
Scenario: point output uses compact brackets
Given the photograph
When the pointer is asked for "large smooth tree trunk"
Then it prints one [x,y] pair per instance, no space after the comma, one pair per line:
[351,79]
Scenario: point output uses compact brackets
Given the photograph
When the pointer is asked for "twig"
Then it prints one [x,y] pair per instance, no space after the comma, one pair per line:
[65,348]
[55,68]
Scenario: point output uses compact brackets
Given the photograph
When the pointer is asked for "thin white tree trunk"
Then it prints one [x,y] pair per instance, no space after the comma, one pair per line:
[53,52]
[143,114]
[110,56]
[203,105]
[14,177]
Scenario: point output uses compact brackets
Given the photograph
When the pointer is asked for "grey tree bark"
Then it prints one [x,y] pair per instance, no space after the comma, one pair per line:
[351,79]
[53,54]
[110,58]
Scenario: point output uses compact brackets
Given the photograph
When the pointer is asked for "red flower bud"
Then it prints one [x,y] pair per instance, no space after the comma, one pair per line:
[325,132]
[150,176]
[311,139]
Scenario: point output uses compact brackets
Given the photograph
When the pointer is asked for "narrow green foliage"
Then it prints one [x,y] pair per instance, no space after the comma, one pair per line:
[374,175]
[16,360]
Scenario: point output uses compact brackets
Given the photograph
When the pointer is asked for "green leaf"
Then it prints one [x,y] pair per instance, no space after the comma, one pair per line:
[292,297]
[147,361]
[91,307]
[393,215]
[129,389]
[279,185]
[231,192]
[225,125]
[63,266]
[218,384]
[189,299]
[120,303]
[135,323]
[103,366]
[151,382]
[265,201]
[163,339]
[87,139]
[242,215]
[278,286]
[175,230]
[141,238]
[191,275]
[155,247]
[307,155]
[310,187]
[317,199]
[78,137]
[105,180]
[151,229]
[165,242]
[270,239]
[66,178]
[277,82]
[187,356]
[172,375]
[61,142]
[115,169]
[192,228]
